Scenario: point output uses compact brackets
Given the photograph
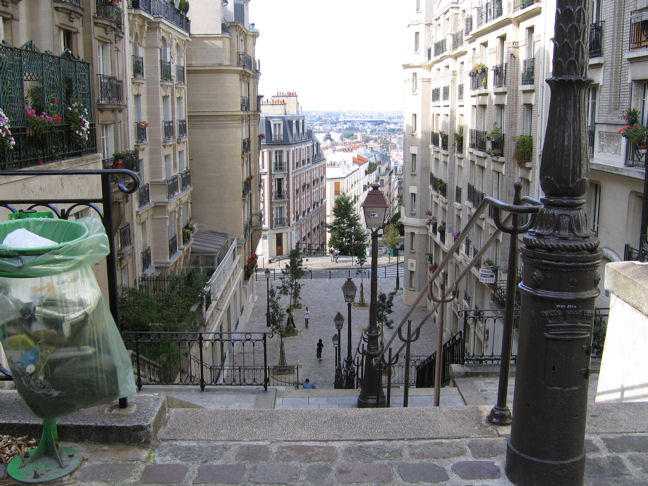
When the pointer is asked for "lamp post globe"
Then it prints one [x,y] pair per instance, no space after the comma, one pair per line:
[338,320]
[267,275]
[375,208]
[349,291]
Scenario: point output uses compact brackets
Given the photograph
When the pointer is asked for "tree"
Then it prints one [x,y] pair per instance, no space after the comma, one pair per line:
[347,232]
[398,224]
[384,306]
[276,321]
[293,272]
[391,238]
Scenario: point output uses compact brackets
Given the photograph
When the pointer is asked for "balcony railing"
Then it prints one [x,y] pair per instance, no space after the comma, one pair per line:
[245,61]
[439,47]
[459,145]
[146,259]
[475,196]
[596,39]
[488,12]
[245,145]
[281,221]
[445,93]
[245,103]
[168,130]
[140,132]
[74,3]
[144,196]
[444,141]
[279,196]
[479,80]
[436,94]
[469,24]
[279,167]
[164,9]
[528,71]
[522,4]
[111,90]
[457,39]
[457,194]
[635,156]
[247,188]
[124,238]
[434,139]
[460,91]
[185,180]
[591,131]
[639,31]
[633,254]
[499,76]
[497,146]
[138,66]
[182,128]
[180,74]
[127,160]
[107,11]
[478,139]
[172,187]
[165,70]
[173,246]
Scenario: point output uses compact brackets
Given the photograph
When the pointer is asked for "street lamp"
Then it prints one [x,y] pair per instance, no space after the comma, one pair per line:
[375,208]
[339,323]
[267,274]
[349,292]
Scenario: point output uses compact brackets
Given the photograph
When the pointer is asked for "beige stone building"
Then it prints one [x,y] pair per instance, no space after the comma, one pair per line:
[293,179]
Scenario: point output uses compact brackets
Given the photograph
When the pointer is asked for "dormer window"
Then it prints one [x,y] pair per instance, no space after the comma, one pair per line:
[276,131]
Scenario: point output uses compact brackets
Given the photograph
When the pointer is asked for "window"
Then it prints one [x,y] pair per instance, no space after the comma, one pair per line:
[181,160]
[125,281]
[180,108]
[593,205]
[137,102]
[529,43]
[166,108]
[596,10]
[414,123]
[276,131]
[413,203]
[171,228]
[414,82]
[416,41]
[500,49]
[412,241]
[103,62]
[527,119]
[108,145]
[413,163]
[168,166]
[418,5]
[67,40]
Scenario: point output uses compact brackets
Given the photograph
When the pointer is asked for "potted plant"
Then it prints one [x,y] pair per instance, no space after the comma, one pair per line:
[636,135]
[442,227]
[431,265]
[187,231]
[118,157]
[6,139]
[76,117]
[478,69]
[523,149]
[458,139]
[495,135]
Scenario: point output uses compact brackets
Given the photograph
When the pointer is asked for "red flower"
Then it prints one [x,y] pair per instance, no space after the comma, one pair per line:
[58,118]
[55,101]
[40,162]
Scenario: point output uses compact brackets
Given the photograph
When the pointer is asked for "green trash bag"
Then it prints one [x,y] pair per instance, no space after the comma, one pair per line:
[60,340]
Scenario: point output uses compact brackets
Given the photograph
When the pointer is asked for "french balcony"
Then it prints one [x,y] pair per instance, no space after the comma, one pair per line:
[445,93]
[436,94]
[108,11]
[247,188]
[635,156]
[279,167]
[146,259]
[182,128]
[458,194]
[279,196]
[140,132]
[522,4]
[639,31]
[281,221]
[245,61]
[457,39]
[434,138]
[499,76]
[111,90]
[596,39]
[185,180]
[245,146]
[124,238]
[180,74]
[528,71]
[165,10]
[127,160]
[138,67]
[74,3]
[165,71]
[459,145]
[479,80]
[475,196]
[245,103]
[469,24]
[144,196]
[439,47]
[172,187]
[173,246]
[460,91]
[488,12]
[478,139]
[444,142]
[636,255]
[497,146]
[168,130]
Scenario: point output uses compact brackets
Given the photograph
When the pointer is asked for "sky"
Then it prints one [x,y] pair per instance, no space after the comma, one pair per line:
[336,54]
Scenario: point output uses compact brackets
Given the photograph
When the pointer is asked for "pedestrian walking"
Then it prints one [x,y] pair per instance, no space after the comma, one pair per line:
[320,346]
[306,317]
[337,255]
[290,322]
[332,253]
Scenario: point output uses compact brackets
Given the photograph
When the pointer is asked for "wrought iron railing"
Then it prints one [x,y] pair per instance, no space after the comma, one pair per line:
[499,75]
[459,145]
[460,91]
[111,90]
[639,31]
[180,74]
[247,188]
[528,71]
[75,3]
[168,130]
[479,80]
[140,132]
[497,146]
[279,222]
[436,94]
[245,146]
[245,103]
[124,238]
[444,141]
[138,66]
[182,128]
[635,156]
[488,12]
[163,9]
[245,61]
[434,138]
[144,195]
[457,194]
[452,353]
[457,39]
[279,167]
[439,47]
[106,10]
[165,70]
[146,259]
[185,180]
[478,139]
[279,195]
[596,39]
[591,132]
[173,246]
[521,4]
[445,93]
[172,187]
[631,253]
[469,24]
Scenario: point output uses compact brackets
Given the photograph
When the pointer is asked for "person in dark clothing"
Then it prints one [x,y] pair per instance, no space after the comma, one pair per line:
[320,346]
[290,322]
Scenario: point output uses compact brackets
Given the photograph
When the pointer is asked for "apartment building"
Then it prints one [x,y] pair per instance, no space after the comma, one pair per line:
[474,90]
[293,178]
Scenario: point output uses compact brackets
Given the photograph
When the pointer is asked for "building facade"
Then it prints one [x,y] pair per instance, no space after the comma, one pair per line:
[293,178]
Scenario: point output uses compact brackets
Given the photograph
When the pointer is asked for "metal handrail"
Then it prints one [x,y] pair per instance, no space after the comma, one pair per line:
[532,206]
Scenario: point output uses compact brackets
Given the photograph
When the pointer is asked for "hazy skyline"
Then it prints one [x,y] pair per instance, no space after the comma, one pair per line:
[336,54]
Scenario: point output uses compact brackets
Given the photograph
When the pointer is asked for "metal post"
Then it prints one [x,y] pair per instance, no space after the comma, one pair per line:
[371,394]
[268,299]
[560,281]
[389,377]
[408,342]
[643,237]
[202,374]
[137,357]
[500,414]
[349,378]
[439,351]
[265,362]
[397,272]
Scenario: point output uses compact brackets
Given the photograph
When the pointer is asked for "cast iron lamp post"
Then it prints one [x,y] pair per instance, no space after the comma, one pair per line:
[267,274]
[560,281]
[339,323]
[375,208]
[349,292]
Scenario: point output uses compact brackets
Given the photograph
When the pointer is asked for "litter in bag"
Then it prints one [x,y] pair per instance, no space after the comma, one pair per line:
[60,340]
